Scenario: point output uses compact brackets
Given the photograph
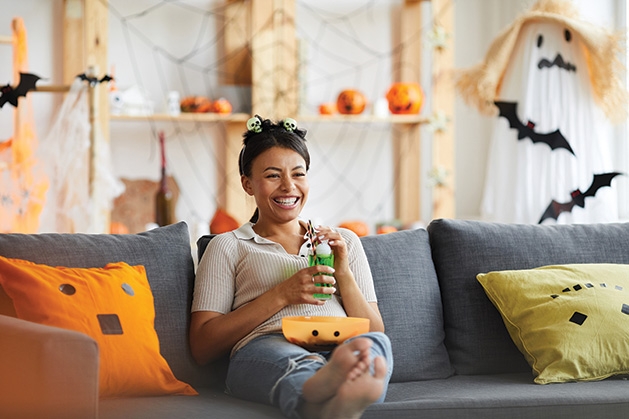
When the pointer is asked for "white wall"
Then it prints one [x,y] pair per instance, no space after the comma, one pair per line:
[365,157]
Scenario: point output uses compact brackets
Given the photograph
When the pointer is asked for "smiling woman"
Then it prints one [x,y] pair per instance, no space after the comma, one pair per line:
[250,279]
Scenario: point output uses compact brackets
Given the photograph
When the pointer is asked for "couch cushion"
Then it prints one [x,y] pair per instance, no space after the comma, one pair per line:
[502,396]
[477,341]
[570,321]
[410,303]
[165,253]
[113,305]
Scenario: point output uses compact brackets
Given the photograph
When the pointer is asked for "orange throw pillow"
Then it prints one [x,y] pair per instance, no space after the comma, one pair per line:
[113,305]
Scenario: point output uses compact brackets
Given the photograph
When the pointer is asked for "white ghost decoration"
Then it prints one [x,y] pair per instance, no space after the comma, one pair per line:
[551,137]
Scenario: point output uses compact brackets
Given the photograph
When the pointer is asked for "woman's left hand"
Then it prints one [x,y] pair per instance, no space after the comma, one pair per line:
[338,245]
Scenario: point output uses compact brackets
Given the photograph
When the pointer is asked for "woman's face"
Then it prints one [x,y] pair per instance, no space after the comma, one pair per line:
[279,184]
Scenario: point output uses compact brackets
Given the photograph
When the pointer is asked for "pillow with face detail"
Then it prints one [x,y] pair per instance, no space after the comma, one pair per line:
[113,305]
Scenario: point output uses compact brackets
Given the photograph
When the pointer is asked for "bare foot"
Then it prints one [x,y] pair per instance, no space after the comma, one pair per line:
[348,362]
[354,396]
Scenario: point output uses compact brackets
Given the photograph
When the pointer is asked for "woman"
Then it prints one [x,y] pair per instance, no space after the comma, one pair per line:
[250,278]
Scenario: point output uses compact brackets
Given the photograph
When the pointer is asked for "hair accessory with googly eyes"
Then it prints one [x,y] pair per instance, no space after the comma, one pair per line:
[290,124]
[254,124]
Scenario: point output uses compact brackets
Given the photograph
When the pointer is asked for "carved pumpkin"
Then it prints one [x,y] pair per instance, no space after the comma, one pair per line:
[405,98]
[222,106]
[198,104]
[359,227]
[351,102]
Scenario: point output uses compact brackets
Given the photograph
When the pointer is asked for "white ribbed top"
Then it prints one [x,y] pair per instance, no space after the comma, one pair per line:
[239,266]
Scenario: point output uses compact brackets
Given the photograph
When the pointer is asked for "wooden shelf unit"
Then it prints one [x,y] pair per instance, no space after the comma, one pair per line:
[268,45]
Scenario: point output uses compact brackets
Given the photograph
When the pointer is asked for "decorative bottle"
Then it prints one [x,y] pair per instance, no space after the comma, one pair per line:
[164,205]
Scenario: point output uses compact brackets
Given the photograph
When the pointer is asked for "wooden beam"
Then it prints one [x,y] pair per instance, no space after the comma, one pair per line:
[274,58]
[73,39]
[236,69]
[85,43]
[232,197]
[285,74]
[407,138]
[443,103]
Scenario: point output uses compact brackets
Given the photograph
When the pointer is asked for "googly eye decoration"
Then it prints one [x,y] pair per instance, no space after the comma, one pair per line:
[290,124]
[254,124]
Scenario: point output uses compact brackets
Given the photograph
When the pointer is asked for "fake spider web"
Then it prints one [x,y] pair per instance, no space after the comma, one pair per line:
[162,46]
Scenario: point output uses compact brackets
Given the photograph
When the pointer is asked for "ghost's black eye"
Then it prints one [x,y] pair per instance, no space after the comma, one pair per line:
[567,35]
[540,40]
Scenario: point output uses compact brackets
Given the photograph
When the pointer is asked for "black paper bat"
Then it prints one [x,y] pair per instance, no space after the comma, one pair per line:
[578,198]
[554,139]
[11,95]
[93,80]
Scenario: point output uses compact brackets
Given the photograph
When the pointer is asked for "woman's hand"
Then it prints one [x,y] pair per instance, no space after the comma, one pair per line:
[338,245]
[300,288]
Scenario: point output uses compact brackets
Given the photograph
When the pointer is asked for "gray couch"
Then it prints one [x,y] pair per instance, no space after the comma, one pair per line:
[453,355]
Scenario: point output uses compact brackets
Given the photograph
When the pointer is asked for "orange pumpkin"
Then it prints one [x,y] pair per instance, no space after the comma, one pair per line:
[222,222]
[359,227]
[351,102]
[405,98]
[117,227]
[197,104]
[384,229]
[327,109]
[222,106]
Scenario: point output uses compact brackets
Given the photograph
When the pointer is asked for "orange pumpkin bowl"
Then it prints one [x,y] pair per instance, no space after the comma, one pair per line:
[322,332]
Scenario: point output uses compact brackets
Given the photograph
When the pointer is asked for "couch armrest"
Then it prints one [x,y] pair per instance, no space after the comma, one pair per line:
[46,371]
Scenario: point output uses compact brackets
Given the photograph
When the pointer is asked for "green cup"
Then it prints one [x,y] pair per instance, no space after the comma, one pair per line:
[327,260]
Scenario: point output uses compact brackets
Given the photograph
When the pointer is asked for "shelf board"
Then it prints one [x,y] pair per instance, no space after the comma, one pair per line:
[390,119]
[185,117]
[243,117]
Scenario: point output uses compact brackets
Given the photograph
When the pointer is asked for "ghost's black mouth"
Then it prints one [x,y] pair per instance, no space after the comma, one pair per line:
[559,62]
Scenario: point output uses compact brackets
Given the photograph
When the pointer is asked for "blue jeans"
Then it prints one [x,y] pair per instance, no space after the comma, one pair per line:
[271,370]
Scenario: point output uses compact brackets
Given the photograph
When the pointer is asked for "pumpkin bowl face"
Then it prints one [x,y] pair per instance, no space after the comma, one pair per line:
[351,102]
[405,98]
[321,333]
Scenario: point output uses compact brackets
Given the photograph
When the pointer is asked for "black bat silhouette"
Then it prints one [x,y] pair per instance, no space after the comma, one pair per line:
[11,95]
[558,61]
[578,198]
[554,139]
[93,80]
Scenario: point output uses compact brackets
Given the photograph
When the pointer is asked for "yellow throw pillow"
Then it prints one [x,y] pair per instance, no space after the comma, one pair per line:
[113,305]
[571,322]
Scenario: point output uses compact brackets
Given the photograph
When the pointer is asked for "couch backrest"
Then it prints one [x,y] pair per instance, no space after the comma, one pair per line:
[410,303]
[476,338]
[165,253]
